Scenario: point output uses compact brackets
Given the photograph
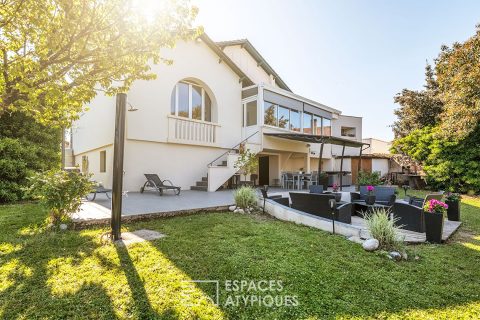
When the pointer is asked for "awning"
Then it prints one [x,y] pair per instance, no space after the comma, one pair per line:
[312,138]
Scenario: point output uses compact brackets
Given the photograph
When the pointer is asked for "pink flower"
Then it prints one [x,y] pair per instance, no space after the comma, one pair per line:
[370,188]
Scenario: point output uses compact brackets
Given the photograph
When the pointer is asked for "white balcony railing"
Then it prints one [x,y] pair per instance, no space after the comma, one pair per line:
[190,131]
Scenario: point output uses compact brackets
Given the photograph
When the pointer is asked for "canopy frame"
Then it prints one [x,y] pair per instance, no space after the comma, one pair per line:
[322,140]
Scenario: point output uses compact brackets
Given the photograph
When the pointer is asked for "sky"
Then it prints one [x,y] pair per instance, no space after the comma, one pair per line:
[351,55]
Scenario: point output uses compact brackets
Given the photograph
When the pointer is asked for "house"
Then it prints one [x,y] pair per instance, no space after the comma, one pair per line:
[193,117]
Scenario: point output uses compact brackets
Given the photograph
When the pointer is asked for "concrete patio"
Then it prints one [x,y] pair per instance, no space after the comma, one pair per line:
[150,203]
[135,204]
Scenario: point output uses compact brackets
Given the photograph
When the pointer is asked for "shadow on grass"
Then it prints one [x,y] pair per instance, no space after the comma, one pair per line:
[67,275]
[137,286]
[331,276]
[72,275]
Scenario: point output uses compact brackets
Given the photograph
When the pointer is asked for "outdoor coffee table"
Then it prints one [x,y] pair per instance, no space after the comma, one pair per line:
[362,207]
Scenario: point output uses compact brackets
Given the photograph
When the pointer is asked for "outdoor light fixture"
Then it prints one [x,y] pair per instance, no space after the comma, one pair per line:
[333,205]
[131,108]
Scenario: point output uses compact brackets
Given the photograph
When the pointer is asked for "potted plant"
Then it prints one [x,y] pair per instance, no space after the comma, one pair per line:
[453,201]
[247,163]
[370,199]
[338,195]
[434,211]
[323,179]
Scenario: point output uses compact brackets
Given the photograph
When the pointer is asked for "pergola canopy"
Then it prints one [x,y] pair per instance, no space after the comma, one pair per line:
[312,138]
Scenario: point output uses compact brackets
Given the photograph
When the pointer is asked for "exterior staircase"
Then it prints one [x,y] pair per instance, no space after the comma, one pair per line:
[223,168]
[202,185]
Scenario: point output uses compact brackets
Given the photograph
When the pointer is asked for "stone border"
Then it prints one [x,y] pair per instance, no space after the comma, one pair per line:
[82,224]
[284,213]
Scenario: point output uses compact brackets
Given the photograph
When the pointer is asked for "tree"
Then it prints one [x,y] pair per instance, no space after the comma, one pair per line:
[418,109]
[448,144]
[458,73]
[247,162]
[56,54]
[25,147]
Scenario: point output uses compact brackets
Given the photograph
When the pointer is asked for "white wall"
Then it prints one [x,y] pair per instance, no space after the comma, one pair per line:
[96,127]
[346,121]
[94,164]
[192,60]
[380,165]
[248,65]
[377,146]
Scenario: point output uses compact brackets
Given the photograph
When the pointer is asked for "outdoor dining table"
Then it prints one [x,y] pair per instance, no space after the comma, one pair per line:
[299,178]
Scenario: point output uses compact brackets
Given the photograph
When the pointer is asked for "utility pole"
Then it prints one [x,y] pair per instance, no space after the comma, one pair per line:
[118,148]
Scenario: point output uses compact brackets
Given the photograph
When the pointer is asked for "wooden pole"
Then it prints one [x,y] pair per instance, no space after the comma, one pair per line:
[320,163]
[118,152]
[341,168]
[359,162]
[63,148]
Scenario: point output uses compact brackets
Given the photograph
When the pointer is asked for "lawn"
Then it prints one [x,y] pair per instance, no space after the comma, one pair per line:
[73,274]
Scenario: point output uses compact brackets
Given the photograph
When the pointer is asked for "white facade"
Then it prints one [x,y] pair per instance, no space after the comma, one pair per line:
[180,148]
[377,146]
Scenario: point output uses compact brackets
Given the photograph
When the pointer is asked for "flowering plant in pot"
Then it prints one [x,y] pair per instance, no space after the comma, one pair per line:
[335,187]
[370,199]
[434,211]
[338,195]
[453,201]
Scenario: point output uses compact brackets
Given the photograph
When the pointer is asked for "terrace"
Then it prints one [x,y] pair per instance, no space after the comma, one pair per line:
[137,206]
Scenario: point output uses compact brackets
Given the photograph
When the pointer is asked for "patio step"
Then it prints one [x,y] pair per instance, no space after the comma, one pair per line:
[204,178]
[202,183]
[199,188]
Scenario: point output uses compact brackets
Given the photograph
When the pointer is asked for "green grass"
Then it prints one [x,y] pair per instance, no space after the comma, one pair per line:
[47,275]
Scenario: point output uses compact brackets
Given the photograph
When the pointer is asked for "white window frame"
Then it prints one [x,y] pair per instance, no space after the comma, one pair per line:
[190,100]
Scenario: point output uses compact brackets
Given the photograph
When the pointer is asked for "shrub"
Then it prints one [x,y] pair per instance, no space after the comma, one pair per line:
[247,163]
[245,197]
[367,178]
[61,192]
[25,147]
[383,229]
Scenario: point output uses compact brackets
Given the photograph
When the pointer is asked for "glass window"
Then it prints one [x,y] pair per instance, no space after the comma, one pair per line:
[196,102]
[251,113]
[295,124]
[270,114]
[327,127]
[307,123]
[183,99]
[283,117]
[191,100]
[103,161]
[208,107]
[317,125]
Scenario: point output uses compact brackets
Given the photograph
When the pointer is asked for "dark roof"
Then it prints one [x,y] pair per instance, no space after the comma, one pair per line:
[312,138]
[224,58]
[258,57]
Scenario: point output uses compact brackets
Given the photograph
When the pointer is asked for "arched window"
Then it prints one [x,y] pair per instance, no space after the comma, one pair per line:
[190,100]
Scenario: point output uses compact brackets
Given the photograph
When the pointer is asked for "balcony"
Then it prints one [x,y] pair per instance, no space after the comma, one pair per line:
[193,132]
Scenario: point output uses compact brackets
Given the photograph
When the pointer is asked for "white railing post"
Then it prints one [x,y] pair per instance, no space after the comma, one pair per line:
[191,131]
